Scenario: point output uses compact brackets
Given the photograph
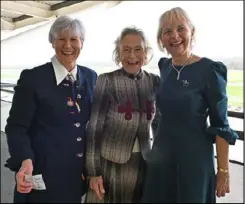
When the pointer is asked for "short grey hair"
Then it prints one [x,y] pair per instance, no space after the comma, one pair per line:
[178,13]
[63,23]
[132,30]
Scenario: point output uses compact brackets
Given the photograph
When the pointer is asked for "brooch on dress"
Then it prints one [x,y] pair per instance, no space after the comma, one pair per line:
[185,83]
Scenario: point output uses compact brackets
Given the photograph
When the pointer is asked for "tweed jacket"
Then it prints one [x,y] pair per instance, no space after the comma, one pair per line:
[123,108]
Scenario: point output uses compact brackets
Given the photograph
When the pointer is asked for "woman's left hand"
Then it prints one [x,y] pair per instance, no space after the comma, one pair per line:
[222,183]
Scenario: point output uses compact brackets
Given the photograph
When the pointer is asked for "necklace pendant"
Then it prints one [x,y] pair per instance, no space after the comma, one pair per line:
[178,75]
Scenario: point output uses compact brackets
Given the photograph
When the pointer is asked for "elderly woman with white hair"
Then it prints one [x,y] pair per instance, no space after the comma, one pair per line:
[123,111]
[46,128]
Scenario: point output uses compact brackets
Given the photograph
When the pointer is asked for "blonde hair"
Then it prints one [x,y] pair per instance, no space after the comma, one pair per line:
[168,16]
[131,31]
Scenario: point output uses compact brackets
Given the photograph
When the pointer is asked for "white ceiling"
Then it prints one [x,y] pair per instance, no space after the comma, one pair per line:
[19,14]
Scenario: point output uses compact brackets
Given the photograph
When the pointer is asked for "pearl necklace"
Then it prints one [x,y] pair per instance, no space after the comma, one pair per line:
[178,71]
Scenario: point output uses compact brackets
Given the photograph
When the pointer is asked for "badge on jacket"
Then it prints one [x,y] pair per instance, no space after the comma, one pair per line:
[70,102]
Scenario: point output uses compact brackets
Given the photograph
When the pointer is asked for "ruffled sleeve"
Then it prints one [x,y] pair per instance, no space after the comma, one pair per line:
[217,100]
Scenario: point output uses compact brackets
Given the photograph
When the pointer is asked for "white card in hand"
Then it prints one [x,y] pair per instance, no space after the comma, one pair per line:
[37,181]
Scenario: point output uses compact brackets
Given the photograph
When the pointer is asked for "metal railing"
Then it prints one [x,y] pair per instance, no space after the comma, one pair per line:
[5,87]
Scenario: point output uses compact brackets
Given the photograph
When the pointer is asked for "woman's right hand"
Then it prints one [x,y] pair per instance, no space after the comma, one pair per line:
[25,169]
[96,184]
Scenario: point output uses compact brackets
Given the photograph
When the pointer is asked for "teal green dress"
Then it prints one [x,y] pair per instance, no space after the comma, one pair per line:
[181,163]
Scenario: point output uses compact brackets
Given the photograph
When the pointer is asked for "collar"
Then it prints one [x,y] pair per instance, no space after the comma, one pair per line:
[137,76]
[60,71]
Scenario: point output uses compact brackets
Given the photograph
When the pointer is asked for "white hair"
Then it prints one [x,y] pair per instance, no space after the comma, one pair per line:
[63,23]
[132,30]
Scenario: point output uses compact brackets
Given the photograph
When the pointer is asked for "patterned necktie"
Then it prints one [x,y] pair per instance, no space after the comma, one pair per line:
[70,77]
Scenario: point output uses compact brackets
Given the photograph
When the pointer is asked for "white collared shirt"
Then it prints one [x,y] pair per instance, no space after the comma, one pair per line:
[60,71]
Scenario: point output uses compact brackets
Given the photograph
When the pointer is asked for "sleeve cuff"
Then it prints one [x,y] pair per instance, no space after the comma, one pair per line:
[95,174]
[12,165]
[15,164]
[225,132]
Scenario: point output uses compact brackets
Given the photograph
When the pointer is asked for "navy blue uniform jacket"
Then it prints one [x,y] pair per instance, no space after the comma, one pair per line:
[42,127]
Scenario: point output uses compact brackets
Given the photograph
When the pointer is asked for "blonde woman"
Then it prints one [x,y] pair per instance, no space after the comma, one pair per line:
[118,140]
[181,164]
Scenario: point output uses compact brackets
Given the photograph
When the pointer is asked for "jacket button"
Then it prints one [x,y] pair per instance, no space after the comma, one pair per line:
[77,124]
[79,139]
[79,154]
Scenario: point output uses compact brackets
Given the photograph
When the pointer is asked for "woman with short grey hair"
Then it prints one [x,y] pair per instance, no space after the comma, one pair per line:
[123,111]
[46,129]
[63,23]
